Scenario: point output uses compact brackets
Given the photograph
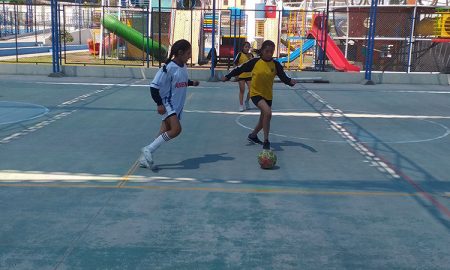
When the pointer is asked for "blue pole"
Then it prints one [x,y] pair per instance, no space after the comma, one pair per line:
[147,49]
[371,40]
[52,3]
[213,51]
[234,40]
[58,33]
[55,36]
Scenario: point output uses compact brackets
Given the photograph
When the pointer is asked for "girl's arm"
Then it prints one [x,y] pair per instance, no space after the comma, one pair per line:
[161,80]
[193,83]
[246,67]
[282,75]
[158,100]
[156,96]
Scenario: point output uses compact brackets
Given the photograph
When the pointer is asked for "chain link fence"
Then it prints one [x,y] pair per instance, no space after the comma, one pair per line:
[404,39]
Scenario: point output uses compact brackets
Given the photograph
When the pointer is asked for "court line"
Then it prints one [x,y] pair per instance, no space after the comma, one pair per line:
[129,173]
[445,134]
[327,114]
[217,189]
[112,84]
[35,127]
[382,164]
[45,109]
[54,118]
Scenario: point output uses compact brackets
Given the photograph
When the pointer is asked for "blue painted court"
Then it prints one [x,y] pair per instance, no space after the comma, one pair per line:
[362,179]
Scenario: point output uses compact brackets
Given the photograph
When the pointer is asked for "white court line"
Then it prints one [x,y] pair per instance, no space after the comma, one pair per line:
[45,111]
[412,91]
[354,142]
[112,84]
[35,127]
[47,122]
[8,176]
[327,114]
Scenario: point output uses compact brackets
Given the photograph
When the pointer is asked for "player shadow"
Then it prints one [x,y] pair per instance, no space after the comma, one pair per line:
[278,146]
[193,163]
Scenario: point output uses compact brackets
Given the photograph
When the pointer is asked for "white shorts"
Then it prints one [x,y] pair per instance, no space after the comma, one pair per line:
[170,110]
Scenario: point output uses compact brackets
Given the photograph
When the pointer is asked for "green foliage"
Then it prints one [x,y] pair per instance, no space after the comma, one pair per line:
[68,37]
[18,2]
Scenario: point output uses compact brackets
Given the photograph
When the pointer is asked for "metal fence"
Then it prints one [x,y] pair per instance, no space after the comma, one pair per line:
[404,39]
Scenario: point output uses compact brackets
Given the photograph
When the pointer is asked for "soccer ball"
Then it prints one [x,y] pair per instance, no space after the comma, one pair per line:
[267,159]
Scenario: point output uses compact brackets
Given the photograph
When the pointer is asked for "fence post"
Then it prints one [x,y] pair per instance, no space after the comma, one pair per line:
[370,43]
[213,51]
[159,34]
[55,39]
[411,38]
[147,49]
[16,29]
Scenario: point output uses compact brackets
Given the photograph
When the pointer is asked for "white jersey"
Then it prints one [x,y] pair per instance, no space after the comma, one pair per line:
[172,82]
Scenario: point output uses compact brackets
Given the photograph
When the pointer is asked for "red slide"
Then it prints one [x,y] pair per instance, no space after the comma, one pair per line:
[335,55]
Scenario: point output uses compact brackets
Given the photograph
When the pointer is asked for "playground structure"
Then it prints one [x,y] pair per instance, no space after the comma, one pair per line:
[134,37]
[123,33]
[327,44]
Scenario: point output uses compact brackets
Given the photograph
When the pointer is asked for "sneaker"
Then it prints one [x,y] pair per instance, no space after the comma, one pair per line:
[241,108]
[266,145]
[146,160]
[247,105]
[254,139]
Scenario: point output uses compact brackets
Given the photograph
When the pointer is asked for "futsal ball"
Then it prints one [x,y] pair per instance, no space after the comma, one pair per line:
[267,159]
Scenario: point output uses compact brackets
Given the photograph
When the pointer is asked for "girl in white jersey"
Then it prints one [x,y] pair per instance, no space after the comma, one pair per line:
[168,90]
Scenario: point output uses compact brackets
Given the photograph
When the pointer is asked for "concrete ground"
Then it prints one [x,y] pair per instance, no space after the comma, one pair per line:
[361,180]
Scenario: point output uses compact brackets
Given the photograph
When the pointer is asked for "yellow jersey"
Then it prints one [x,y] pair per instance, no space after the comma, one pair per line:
[240,59]
[263,74]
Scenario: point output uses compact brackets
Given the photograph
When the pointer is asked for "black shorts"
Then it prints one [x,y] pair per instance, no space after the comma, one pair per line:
[245,79]
[256,99]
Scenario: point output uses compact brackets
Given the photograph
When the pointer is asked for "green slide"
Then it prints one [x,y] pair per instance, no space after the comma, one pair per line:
[134,37]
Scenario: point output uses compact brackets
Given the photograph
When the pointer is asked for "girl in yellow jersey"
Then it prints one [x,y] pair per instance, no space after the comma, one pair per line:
[263,69]
[245,77]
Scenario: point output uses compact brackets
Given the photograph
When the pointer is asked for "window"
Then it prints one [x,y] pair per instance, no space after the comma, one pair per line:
[260,28]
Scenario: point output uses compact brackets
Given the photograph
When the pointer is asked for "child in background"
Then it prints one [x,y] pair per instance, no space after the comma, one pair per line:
[263,69]
[168,90]
[245,77]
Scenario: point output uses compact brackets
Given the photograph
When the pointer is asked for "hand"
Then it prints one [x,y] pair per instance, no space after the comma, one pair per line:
[195,83]
[293,82]
[161,109]
[224,79]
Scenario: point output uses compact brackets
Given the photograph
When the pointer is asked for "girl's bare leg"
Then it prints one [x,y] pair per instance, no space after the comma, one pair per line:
[248,92]
[241,92]
[265,117]
[258,126]
[172,126]
[164,127]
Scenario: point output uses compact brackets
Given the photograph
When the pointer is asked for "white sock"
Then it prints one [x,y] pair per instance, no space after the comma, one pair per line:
[158,141]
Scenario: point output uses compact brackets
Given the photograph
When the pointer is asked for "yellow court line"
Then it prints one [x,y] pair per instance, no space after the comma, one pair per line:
[129,173]
[229,190]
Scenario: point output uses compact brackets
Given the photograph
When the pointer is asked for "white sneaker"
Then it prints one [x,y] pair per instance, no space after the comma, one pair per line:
[247,105]
[146,159]
[241,108]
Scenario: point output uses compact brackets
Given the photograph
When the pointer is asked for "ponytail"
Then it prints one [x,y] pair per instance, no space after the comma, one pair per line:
[179,45]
